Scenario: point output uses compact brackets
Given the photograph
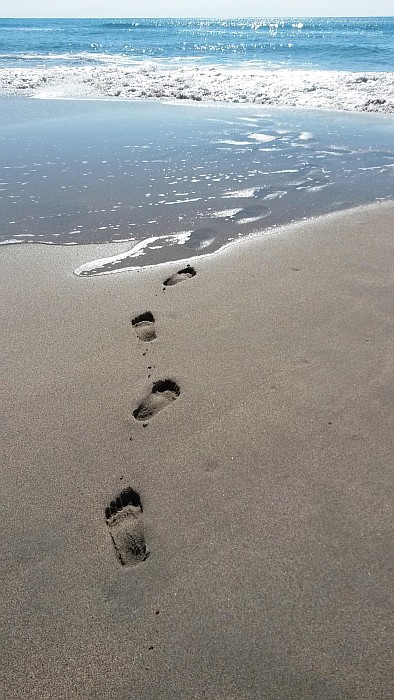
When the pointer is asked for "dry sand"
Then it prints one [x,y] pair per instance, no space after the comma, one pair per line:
[265,485]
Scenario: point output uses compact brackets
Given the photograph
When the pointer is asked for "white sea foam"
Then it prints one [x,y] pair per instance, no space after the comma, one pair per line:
[10,241]
[183,201]
[232,142]
[134,252]
[318,188]
[226,213]
[99,266]
[264,138]
[316,89]
[306,136]
[229,194]
[275,195]
[180,238]
[250,120]
[206,243]
[249,219]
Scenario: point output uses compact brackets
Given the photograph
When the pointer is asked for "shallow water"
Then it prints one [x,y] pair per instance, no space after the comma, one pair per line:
[179,181]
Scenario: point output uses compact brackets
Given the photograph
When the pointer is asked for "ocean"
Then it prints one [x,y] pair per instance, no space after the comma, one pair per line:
[329,63]
[357,44]
[179,137]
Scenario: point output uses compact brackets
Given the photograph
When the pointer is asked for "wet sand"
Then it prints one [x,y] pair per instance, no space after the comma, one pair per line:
[250,557]
[177,182]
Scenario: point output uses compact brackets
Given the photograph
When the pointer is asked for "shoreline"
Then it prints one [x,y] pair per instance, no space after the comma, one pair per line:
[76,172]
[215,104]
[366,91]
[275,230]
[112,249]
[263,483]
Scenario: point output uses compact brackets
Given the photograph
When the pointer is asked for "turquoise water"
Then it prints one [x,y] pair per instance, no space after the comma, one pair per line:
[352,44]
[343,64]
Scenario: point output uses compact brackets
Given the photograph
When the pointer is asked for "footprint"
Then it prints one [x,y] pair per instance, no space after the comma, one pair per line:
[180,276]
[123,517]
[163,392]
[145,326]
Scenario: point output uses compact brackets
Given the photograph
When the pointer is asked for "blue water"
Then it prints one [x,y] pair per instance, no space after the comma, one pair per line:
[352,44]
[174,182]
[99,158]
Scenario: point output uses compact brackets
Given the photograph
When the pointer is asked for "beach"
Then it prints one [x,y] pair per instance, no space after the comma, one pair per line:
[196,245]
[263,483]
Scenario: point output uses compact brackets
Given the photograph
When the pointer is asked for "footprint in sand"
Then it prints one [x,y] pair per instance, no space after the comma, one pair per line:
[180,276]
[163,392]
[145,326]
[123,517]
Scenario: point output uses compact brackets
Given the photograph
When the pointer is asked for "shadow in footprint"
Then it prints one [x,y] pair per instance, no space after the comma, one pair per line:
[123,517]
[163,392]
[180,276]
[145,326]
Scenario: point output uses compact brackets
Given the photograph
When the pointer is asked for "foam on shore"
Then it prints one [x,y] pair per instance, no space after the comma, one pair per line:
[314,89]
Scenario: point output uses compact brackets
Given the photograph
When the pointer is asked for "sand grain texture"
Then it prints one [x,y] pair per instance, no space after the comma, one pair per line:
[265,486]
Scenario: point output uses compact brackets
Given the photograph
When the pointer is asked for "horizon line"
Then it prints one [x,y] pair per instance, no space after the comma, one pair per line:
[223,17]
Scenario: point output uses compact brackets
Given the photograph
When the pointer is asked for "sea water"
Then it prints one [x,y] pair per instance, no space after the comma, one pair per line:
[354,44]
[113,152]
[331,63]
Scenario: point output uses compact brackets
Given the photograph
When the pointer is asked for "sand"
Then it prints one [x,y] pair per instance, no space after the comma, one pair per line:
[260,490]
